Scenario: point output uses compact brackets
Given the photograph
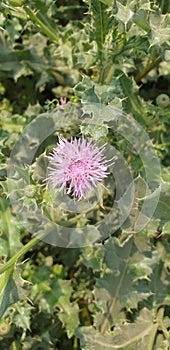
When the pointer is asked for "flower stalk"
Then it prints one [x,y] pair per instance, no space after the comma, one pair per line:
[21,252]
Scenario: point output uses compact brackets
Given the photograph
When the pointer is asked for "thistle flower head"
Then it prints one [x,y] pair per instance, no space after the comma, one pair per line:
[76,166]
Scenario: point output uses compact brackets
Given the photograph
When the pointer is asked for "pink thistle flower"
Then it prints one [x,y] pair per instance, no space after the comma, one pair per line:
[77,166]
[63,102]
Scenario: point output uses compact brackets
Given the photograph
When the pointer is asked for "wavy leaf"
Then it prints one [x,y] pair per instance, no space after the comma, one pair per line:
[12,289]
[101,24]
[128,337]
[123,282]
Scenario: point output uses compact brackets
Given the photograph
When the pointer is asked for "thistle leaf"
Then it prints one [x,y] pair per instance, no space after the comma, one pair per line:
[128,337]
[123,282]
[101,23]
[12,289]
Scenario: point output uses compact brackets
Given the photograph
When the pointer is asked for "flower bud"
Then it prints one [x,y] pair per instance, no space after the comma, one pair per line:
[163,100]
[4,327]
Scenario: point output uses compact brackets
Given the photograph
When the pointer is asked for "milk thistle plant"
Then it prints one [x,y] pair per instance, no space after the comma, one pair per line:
[111,291]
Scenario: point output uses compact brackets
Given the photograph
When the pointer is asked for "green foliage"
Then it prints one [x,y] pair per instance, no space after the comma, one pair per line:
[129,336]
[102,56]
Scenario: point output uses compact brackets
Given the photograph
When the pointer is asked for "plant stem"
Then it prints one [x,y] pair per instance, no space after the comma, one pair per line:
[157,324]
[12,261]
[75,345]
[161,324]
[152,337]
[40,24]
[147,69]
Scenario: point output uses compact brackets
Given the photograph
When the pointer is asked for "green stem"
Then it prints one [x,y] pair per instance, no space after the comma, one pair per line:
[16,345]
[40,24]
[152,337]
[70,7]
[151,342]
[162,145]
[78,216]
[75,345]
[161,324]
[12,261]
[147,69]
